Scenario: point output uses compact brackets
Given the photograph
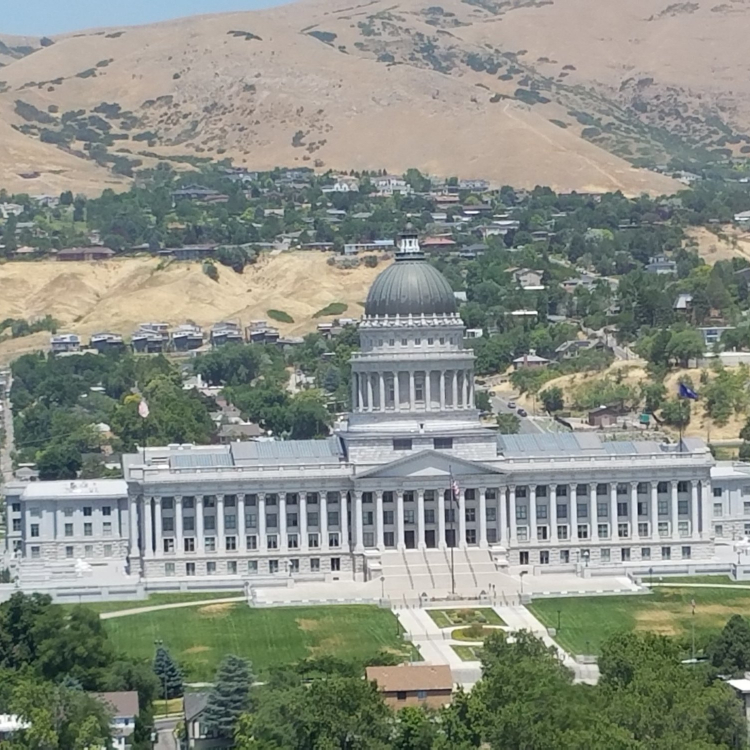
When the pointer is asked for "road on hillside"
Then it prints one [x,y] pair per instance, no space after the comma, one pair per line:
[529,425]
[165,734]
[6,463]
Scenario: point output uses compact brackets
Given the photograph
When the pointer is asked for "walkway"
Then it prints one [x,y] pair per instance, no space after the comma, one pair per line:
[161,607]
[435,644]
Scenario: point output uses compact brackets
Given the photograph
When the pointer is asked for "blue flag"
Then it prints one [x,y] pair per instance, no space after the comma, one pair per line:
[686,392]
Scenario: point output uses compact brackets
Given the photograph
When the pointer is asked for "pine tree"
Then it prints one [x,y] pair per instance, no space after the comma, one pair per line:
[169,674]
[230,697]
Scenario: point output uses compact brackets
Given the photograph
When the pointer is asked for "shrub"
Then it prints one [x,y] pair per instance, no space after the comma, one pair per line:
[335,308]
[280,316]
[211,270]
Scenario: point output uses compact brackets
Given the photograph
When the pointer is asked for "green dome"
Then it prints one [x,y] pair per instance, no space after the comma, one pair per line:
[411,286]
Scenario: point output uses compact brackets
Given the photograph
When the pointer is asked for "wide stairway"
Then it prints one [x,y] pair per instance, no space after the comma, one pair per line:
[413,572]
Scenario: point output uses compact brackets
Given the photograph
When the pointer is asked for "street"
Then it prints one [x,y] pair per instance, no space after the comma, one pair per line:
[529,425]
[165,737]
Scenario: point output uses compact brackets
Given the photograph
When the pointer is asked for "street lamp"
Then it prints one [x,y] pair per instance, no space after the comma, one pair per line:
[559,612]
[521,575]
[382,587]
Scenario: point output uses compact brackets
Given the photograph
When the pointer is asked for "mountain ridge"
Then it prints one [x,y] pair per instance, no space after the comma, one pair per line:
[486,88]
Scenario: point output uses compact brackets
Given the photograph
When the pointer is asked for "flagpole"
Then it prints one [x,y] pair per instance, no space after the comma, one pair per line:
[453,530]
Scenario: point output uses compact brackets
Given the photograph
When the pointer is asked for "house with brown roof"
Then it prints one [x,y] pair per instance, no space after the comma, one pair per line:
[428,685]
[85,253]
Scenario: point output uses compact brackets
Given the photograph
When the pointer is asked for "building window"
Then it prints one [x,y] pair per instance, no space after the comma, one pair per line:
[583,510]
[313,541]
[642,509]
[209,523]
[583,531]
[312,519]
[682,507]
[35,529]
[562,533]
[492,514]
[645,553]
[523,533]
[367,497]
[209,501]
[107,528]
[541,533]
[623,530]
[602,510]
[718,510]
[686,553]
[68,529]
[402,444]
[88,529]
[409,516]
[230,522]
[333,518]
[443,444]
[167,524]
[622,509]
[333,539]
[389,539]
[252,566]
[541,491]
[271,500]
[69,552]
[188,544]
[231,543]
[643,529]
[230,501]
[603,530]
[273,566]
[662,507]
[291,520]
[684,487]
[167,503]
[87,511]
[562,511]
[209,544]
[314,564]
[190,569]
[232,567]
[169,569]
[663,528]
[523,557]
[719,530]
[388,518]
[492,535]
[605,556]
[272,520]
[746,508]
[565,556]
[717,491]
[292,541]
[471,515]
[471,536]
[522,513]
[188,523]
[210,568]
[625,554]
[17,525]
[88,550]
[168,545]
[683,528]
[335,564]
[16,508]
[188,503]
[252,541]
[272,541]
[294,565]
[520,492]
[368,539]
[251,520]
[666,553]
[544,557]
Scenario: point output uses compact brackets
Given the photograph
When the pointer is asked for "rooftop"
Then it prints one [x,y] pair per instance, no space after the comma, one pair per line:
[411,677]
[122,703]
[100,488]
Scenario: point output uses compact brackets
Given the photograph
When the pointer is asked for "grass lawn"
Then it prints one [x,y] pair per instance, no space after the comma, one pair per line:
[719,579]
[468,653]
[476,633]
[449,618]
[156,599]
[172,706]
[586,622]
[200,637]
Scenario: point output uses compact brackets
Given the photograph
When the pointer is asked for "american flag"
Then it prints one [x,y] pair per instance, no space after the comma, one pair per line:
[454,489]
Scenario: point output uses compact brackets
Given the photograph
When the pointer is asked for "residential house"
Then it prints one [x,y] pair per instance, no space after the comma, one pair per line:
[85,253]
[342,184]
[438,244]
[10,724]
[199,193]
[388,185]
[532,360]
[683,303]
[712,334]
[10,209]
[572,348]
[196,735]
[475,186]
[106,342]
[427,685]
[123,708]
[528,280]
[660,264]
[193,252]
[231,433]
[226,332]
[150,338]
[742,218]
[65,342]
[187,337]
[604,416]
[354,248]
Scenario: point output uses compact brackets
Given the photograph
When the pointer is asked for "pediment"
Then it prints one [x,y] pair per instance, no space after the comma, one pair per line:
[429,463]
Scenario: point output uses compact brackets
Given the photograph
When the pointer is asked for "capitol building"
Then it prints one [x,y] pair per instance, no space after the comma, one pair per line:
[410,475]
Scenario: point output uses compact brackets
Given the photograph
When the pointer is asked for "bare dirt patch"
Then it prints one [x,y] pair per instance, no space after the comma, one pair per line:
[308,625]
[657,621]
[196,650]
[216,610]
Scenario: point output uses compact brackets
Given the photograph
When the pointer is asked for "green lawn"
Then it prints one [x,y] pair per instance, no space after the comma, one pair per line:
[156,599]
[721,580]
[586,622]
[449,618]
[200,637]
[468,653]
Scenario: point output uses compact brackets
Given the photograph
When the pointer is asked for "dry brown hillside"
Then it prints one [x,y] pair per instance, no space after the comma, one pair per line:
[505,89]
[118,295]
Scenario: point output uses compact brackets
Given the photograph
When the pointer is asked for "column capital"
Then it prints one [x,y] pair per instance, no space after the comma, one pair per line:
[634,485]
[694,482]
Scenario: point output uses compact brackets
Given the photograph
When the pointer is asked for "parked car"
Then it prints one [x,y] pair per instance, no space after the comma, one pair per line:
[523,413]
[511,404]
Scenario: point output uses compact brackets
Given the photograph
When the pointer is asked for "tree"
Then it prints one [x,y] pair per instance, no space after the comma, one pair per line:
[552,399]
[415,730]
[685,345]
[168,673]
[230,696]
[729,651]
[308,416]
[676,412]
[483,402]
[508,424]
